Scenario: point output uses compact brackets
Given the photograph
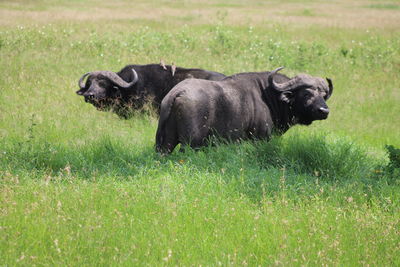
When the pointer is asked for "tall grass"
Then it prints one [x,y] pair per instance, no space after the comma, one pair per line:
[82,187]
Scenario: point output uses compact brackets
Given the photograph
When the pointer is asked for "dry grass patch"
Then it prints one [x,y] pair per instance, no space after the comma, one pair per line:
[343,14]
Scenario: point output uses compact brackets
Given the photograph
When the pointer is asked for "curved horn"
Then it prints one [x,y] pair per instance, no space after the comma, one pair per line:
[81,83]
[116,79]
[135,77]
[276,86]
[330,88]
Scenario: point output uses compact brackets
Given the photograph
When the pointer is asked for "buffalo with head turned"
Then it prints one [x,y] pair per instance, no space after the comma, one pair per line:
[242,106]
[135,85]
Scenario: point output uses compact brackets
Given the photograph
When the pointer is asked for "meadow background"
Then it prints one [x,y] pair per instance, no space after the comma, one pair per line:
[83,187]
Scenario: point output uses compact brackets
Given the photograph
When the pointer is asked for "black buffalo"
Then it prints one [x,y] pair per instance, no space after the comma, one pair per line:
[242,106]
[135,85]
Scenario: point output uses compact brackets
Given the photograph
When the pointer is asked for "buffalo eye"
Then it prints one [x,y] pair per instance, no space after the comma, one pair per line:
[307,94]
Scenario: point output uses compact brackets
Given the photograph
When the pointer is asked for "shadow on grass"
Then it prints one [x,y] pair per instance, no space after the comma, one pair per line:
[253,168]
[105,157]
[297,165]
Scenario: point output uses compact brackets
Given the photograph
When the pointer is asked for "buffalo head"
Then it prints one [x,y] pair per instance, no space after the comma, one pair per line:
[306,96]
[103,87]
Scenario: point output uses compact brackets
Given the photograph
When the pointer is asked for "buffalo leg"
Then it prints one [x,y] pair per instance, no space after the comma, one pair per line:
[167,138]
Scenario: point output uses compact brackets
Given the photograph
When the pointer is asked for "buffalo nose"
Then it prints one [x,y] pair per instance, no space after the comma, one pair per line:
[324,110]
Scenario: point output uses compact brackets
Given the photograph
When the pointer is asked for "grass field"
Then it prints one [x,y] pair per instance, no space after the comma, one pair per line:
[82,187]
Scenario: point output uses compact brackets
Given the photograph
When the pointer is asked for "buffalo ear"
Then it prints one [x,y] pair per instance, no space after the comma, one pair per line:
[287,96]
[80,92]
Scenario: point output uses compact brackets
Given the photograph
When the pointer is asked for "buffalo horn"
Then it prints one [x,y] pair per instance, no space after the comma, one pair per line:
[81,82]
[279,87]
[112,76]
[290,85]
[330,88]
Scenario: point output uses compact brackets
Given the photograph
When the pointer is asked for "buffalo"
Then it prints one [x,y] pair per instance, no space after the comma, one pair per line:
[135,85]
[243,106]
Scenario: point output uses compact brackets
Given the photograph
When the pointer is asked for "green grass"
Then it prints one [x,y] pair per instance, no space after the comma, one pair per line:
[82,187]
[385,6]
[255,202]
